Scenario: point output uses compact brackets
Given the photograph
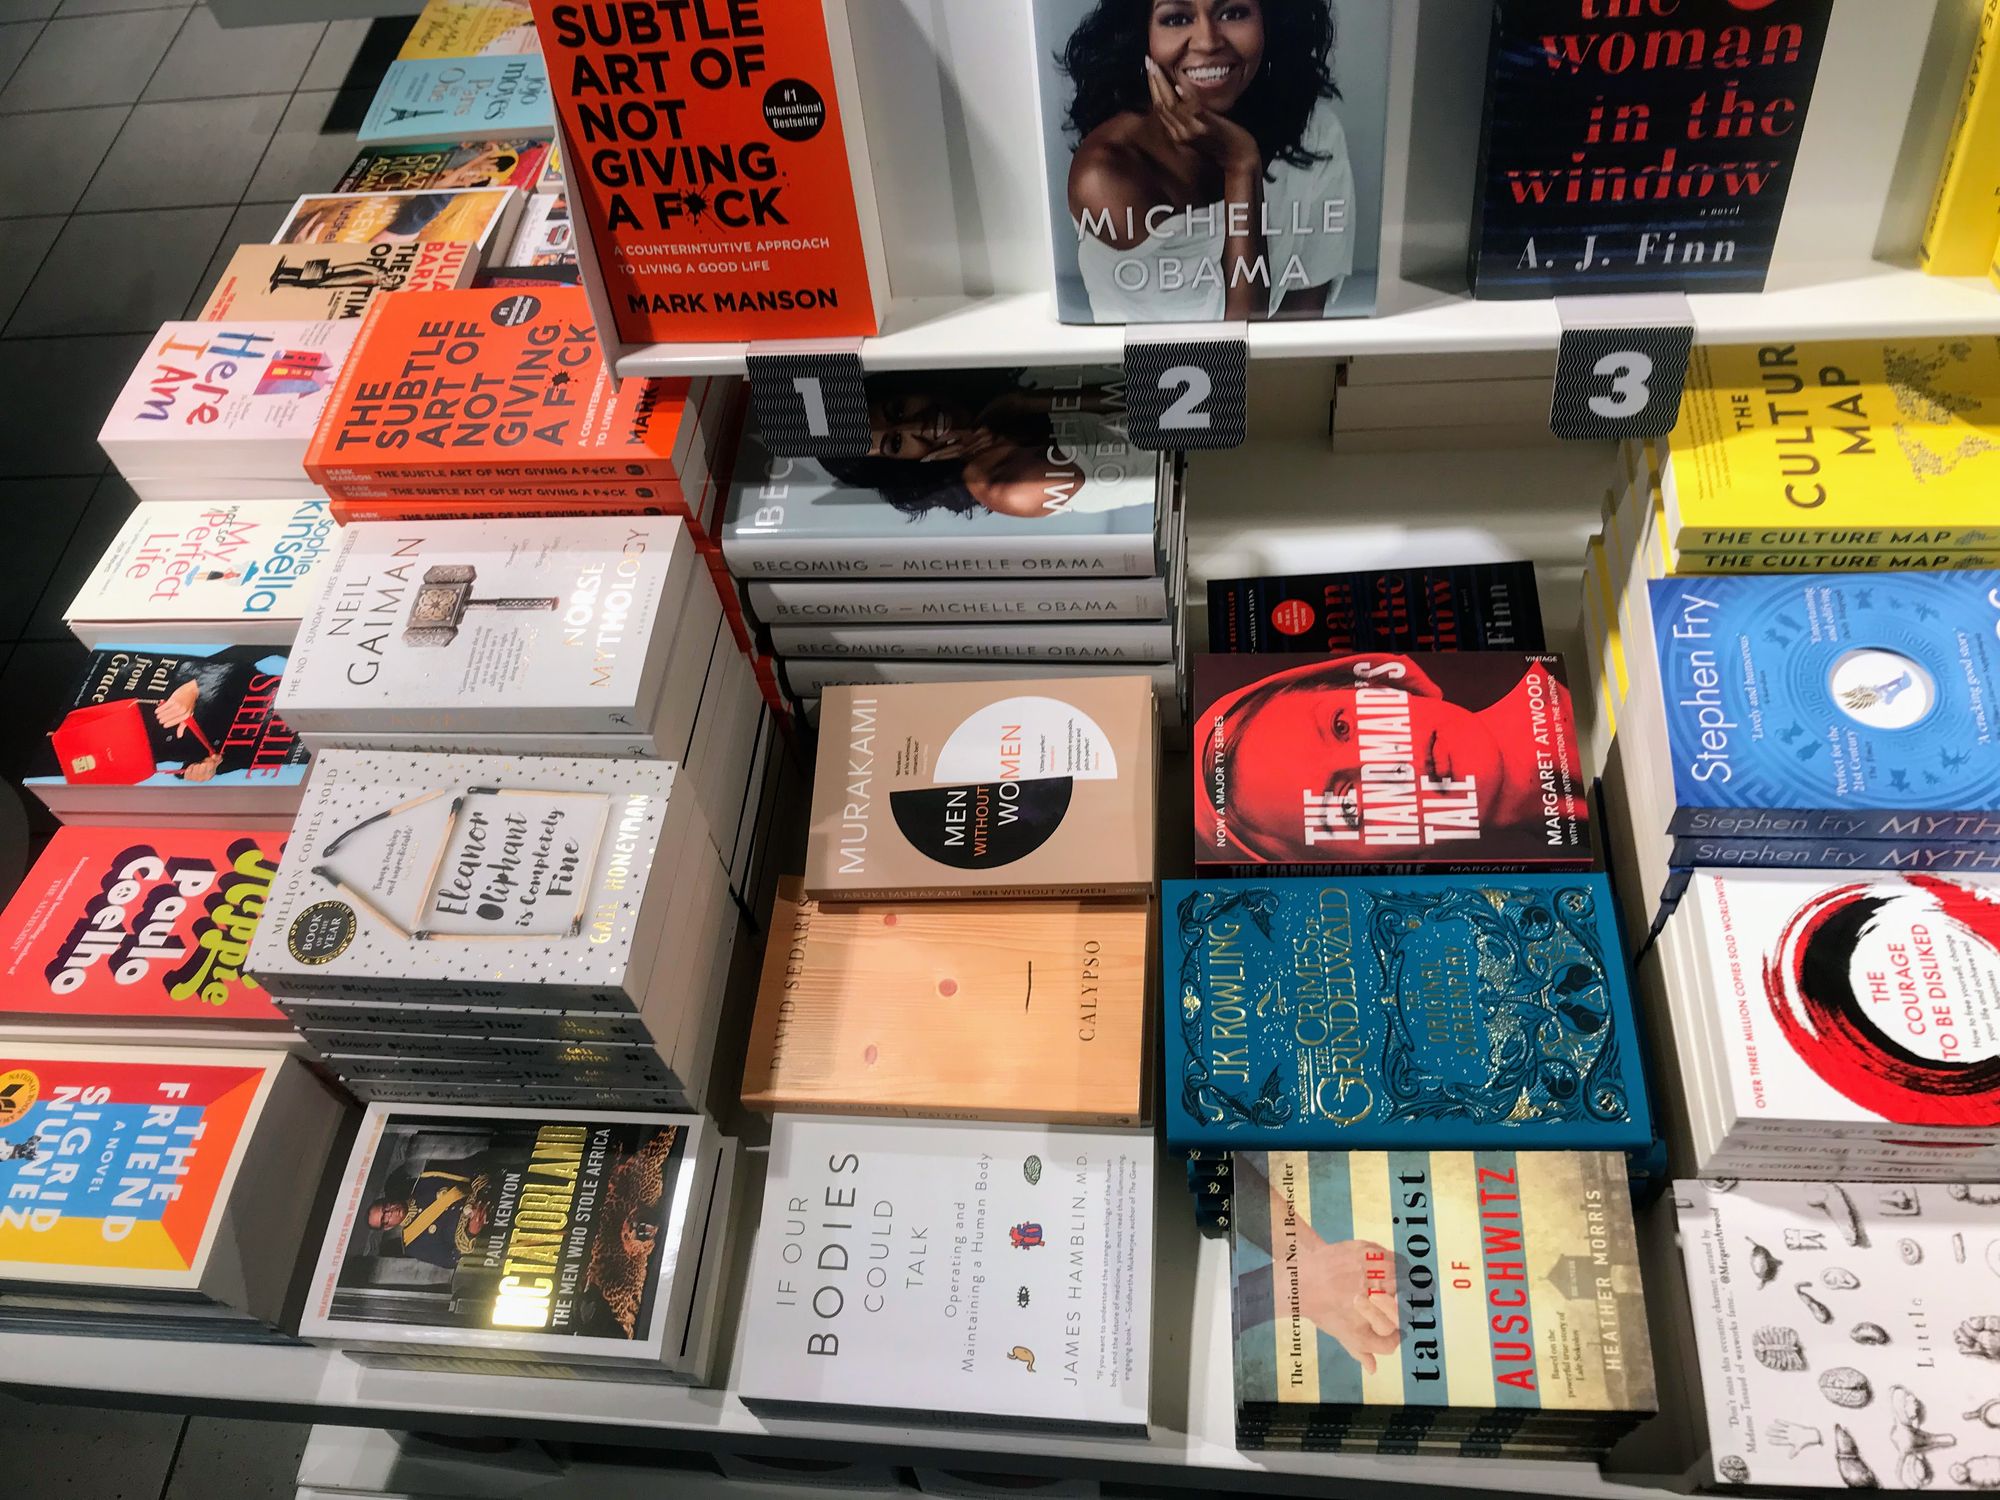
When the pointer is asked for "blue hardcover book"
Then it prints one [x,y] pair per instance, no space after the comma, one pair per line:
[1450,1012]
[459,98]
[1847,705]
[1963,856]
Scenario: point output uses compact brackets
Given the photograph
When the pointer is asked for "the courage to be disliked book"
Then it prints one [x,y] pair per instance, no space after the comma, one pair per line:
[1442,1011]
[1214,162]
[1385,760]
[1463,607]
[522,1232]
[920,1271]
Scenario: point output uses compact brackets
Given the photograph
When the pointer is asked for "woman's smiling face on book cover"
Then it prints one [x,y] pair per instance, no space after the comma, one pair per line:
[1209,49]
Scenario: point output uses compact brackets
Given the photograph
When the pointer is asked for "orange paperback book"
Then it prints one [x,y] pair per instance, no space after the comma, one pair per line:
[489,385]
[726,192]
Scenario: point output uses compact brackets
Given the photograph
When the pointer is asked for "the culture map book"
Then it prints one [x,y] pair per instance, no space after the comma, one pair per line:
[1963,224]
[442,165]
[1637,149]
[466,98]
[1467,607]
[1017,1283]
[333,281]
[1355,1012]
[1218,172]
[1386,760]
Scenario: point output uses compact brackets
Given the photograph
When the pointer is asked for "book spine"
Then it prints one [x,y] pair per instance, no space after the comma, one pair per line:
[1831,561]
[507,492]
[771,556]
[1951,855]
[347,512]
[1918,829]
[1554,865]
[1959,230]
[1881,546]
[785,602]
[473,476]
[1137,643]
[982,893]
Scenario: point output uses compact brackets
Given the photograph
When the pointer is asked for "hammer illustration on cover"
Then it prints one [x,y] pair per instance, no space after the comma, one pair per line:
[442,600]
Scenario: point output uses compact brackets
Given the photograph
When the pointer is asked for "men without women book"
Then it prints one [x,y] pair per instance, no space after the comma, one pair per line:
[333,281]
[1468,607]
[996,1010]
[1636,151]
[920,1271]
[1448,1301]
[1033,788]
[1356,1012]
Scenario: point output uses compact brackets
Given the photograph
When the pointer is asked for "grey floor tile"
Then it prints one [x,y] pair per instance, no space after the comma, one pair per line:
[23,243]
[246,1460]
[27,10]
[42,515]
[212,61]
[252,224]
[192,151]
[16,38]
[355,54]
[83,1453]
[115,7]
[107,502]
[120,273]
[32,687]
[58,391]
[314,145]
[92,60]
[46,159]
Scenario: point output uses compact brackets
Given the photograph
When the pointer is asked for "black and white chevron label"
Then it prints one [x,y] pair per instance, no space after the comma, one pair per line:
[810,405]
[1620,373]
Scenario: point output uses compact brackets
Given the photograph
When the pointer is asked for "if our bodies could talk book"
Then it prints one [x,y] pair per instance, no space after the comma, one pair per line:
[1355,1012]
[922,1271]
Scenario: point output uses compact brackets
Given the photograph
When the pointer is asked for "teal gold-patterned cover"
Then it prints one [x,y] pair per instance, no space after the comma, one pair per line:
[1450,1012]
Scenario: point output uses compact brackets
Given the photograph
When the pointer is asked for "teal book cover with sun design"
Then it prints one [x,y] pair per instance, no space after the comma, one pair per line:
[1444,1011]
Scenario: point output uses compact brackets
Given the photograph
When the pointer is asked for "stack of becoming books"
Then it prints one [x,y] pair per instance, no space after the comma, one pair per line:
[1001,526]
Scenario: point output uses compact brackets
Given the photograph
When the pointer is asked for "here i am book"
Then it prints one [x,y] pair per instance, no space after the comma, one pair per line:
[1380,760]
[1032,788]
[1467,607]
[459,98]
[480,217]
[333,281]
[443,165]
[1634,151]
[1019,1275]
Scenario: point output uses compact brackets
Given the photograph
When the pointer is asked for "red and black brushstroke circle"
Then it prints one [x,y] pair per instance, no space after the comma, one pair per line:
[1809,980]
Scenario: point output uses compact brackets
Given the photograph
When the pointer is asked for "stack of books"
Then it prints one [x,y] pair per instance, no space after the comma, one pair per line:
[1002,526]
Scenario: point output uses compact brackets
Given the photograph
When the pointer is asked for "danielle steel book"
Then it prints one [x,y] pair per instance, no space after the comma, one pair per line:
[1467,607]
[333,281]
[1017,1286]
[1385,760]
[1354,1012]
[1229,170]
[458,98]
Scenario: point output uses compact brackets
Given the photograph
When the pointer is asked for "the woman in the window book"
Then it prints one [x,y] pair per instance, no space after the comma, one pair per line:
[1211,179]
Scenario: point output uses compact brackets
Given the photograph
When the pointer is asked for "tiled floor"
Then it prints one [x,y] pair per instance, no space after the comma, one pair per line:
[140,143]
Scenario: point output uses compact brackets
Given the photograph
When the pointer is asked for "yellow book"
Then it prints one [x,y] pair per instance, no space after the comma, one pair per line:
[1964,221]
[471,28]
[1851,445]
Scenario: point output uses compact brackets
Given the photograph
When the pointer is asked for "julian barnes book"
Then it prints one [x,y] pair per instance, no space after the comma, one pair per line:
[1404,1294]
[1866,698]
[1845,1331]
[1035,788]
[539,625]
[332,281]
[467,98]
[1229,170]
[1383,760]
[477,878]
[140,925]
[479,217]
[998,1010]
[719,159]
[919,1271]
[523,1233]
[993,473]
[1639,152]
[443,165]
[1448,1012]
[1467,607]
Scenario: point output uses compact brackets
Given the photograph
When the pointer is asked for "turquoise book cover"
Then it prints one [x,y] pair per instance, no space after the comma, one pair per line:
[459,98]
[1447,1012]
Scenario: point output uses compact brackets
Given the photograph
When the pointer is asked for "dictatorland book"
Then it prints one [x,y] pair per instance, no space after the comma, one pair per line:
[1451,1012]
[1216,173]
[1388,1299]
[238,570]
[407,411]
[1020,1282]
[541,625]
[142,926]
[1467,607]
[1042,787]
[224,400]
[1639,151]
[459,98]
[1963,225]
[474,878]
[995,1010]
[1889,445]
[971,473]
[1387,761]
[443,165]
[175,732]
[737,205]
[520,1234]
[480,217]
[333,281]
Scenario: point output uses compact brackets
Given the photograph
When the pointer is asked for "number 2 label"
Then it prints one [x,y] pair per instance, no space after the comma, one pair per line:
[1184,413]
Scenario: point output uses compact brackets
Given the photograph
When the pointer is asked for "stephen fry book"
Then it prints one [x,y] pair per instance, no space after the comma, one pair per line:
[1639,151]
[526,1232]
[140,925]
[442,165]
[1444,1011]
[1465,607]
[469,216]
[1229,170]
[333,281]
[726,186]
[1383,760]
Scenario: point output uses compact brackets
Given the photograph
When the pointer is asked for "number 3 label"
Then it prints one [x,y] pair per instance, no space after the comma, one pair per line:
[1619,382]
[1628,371]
